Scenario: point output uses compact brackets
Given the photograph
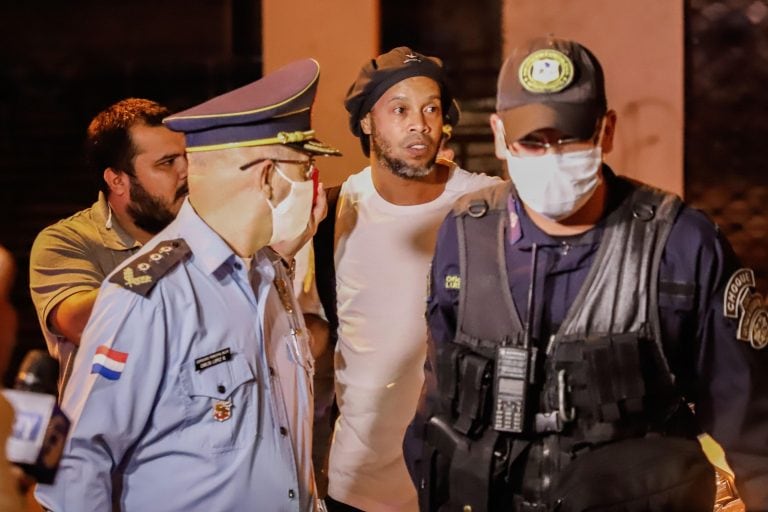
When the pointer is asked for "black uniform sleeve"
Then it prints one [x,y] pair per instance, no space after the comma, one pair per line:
[721,371]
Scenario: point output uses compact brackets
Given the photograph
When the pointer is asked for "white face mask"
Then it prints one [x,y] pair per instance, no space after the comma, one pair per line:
[291,216]
[556,184]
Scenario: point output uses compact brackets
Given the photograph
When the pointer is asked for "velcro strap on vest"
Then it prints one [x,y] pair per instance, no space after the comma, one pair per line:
[617,385]
[616,377]
[486,310]
[474,386]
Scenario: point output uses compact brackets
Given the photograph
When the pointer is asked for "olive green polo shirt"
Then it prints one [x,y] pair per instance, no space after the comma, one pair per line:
[74,255]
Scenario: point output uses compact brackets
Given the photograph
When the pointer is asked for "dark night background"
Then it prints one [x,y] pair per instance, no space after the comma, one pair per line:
[62,62]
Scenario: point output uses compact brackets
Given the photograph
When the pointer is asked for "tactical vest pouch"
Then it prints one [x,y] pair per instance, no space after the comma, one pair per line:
[460,475]
[663,474]
[474,388]
[441,445]
[616,384]
[622,386]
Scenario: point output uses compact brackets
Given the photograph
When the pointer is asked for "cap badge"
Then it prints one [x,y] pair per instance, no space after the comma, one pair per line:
[411,58]
[546,71]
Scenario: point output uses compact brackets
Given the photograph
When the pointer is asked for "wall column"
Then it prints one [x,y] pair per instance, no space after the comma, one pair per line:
[341,35]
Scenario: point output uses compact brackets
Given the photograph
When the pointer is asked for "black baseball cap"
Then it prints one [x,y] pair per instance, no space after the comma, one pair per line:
[551,83]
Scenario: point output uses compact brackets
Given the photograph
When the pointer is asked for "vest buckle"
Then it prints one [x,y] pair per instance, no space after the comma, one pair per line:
[565,414]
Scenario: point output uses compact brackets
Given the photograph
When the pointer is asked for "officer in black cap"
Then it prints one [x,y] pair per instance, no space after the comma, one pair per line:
[385,224]
[194,371]
[563,382]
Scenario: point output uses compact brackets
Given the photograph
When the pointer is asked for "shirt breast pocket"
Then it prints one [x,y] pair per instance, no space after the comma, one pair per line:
[222,405]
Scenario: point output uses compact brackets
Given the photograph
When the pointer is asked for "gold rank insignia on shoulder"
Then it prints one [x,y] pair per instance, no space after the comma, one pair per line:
[452,282]
[141,274]
[741,302]
[546,71]
[130,280]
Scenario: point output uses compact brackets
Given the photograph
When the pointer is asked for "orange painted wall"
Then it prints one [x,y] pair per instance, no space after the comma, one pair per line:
[640,45]
[341,35]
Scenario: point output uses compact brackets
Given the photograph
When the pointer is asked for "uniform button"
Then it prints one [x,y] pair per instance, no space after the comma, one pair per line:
[221,388]
[283,431]
[291,494]
[237,265]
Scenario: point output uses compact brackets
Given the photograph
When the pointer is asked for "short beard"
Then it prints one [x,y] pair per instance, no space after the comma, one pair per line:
[148,212]
[383,151]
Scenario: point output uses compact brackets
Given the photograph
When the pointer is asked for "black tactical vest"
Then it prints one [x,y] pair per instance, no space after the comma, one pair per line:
[601,380]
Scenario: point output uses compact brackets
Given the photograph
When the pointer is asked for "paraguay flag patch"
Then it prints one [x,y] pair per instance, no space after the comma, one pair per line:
[109,363]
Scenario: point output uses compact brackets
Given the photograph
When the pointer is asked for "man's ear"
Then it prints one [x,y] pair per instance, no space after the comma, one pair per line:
[609,131]
[365,124]
[499,137]
[118,182]
[263,172]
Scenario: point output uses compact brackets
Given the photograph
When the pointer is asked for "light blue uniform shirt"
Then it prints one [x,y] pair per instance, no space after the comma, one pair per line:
[234,435]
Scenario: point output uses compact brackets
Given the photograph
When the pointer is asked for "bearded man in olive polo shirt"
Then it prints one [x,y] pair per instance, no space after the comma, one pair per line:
[142,170]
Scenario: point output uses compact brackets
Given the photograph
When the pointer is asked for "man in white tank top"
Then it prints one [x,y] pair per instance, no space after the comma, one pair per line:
[386,225]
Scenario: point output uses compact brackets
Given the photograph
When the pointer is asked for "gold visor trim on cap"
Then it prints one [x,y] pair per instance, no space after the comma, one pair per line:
[280,138]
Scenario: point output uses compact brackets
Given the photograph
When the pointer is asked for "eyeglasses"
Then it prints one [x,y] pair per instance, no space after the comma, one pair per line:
[306,165]
[564,145]
[558,145]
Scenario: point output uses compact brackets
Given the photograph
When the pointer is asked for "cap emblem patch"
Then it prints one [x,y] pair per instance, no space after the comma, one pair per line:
[546,71]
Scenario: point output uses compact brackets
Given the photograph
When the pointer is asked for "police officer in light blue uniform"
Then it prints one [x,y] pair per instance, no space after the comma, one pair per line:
[192,388]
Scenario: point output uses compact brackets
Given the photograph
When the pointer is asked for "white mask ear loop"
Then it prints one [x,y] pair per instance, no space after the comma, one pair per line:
[599,141]
[281,173]
[108,224]
[272,187]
